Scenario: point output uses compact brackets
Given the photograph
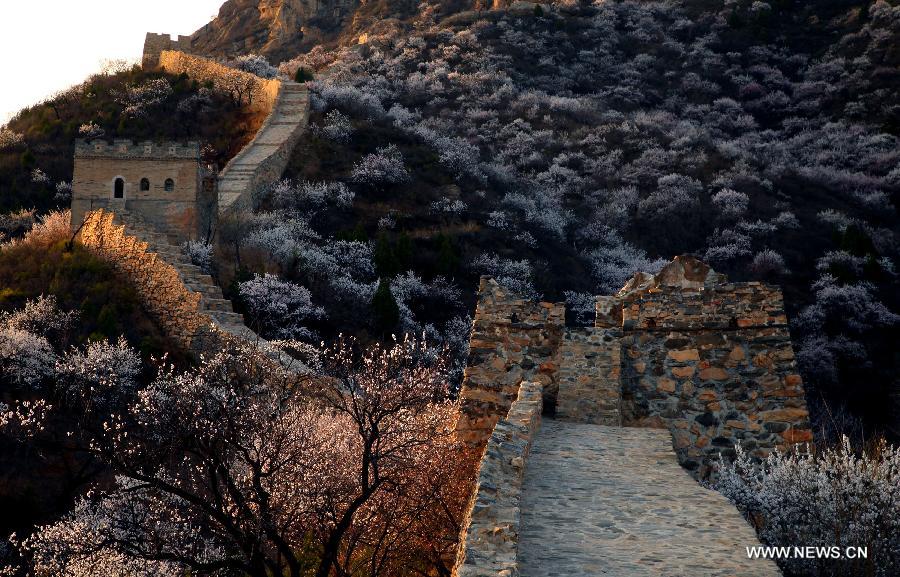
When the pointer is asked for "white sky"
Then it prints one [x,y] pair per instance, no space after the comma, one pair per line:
[48,45]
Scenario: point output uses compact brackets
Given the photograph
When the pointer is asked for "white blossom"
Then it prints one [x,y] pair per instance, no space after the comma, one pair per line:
[280,308]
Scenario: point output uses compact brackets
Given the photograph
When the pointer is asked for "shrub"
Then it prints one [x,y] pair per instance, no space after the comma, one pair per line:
[768,263]
[255,64]
[385,308]
[835,497]
[200,254]
[303,75]
[280,308]
[383,167]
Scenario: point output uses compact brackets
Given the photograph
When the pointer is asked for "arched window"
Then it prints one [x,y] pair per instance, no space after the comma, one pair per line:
[145,184]
[170,185]
[119,188]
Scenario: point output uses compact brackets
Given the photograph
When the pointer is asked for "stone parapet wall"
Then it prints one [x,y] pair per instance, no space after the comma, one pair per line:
[156,44]
[186,303]
[714,390]
[513,340]
[490,537]
[727,306]
[127,149]
[158,283]
[258,94]
[590,366]
[261,163]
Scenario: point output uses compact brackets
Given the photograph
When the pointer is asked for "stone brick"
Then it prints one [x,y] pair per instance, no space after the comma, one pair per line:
[684,355]
[683,372]
[797,436]
[666,385]
[786,415]
[666,348]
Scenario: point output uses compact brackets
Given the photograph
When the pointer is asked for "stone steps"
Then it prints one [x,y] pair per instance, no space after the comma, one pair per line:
[194,279]
[250,167]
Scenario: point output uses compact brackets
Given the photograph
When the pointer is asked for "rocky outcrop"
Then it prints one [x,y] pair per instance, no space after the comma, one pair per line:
[278,29]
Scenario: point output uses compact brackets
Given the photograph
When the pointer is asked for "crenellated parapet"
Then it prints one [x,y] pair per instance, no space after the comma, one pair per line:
[513,340]
[128,149]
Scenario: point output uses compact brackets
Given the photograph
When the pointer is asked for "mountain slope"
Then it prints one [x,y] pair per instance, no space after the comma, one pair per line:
[562,150]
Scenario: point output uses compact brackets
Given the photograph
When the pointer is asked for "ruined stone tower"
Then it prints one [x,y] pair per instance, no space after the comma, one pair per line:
[164,183]
[156,44]
[684,350]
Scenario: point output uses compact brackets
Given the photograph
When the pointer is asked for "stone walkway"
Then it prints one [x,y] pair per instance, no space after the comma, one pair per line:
[612,501]
[262,162]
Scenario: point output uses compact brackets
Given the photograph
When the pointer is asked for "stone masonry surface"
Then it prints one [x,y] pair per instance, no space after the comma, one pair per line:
[141,233]
[187,303]
[490,536]
[513,340]
[613,501]
[156,44]
[590,368]
[181,210]
[683,350]
[257,94]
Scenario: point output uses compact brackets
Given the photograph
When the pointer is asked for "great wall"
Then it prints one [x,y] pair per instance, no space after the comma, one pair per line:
[593,439]
[679,368]
[168,197]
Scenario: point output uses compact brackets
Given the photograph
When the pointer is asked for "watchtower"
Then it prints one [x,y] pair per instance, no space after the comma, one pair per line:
[164,183]
[155,44]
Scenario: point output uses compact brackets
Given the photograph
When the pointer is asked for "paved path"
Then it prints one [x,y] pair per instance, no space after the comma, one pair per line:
[612,501]
[262,162]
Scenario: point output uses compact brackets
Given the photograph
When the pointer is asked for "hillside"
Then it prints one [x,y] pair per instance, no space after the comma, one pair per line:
[74,300]
[559,149]
[641,131]
[122,102]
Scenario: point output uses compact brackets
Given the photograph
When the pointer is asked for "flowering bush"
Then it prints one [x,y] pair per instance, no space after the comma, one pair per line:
[90,130]
[255,64]
[383,167]
[10,138]
[836,497]
[337,127]
[136,100]
[200,253]
[38,176]
[280,308]
[98,375]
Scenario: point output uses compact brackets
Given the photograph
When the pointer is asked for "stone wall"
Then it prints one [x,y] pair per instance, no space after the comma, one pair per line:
[261,163]
[513,340]
[187,304]
[713,362]
[490,536]
[257,94]
[158,283]
[181,212]
[684,350]
[156,44]
[590,367]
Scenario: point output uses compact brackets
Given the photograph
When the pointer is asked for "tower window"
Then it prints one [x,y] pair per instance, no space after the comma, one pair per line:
[170,185]
[119,188]
[145,184]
